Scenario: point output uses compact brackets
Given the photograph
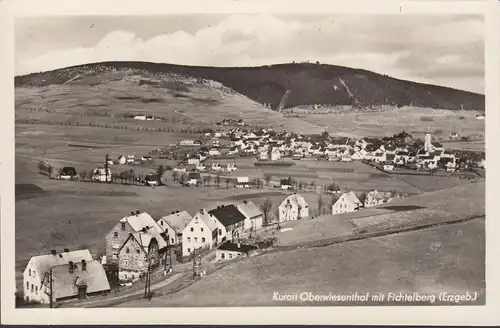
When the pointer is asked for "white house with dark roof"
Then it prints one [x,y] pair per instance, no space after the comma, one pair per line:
[76,279]
[173,224]
[346,203]
[230,222]
[39,266]
[231,251]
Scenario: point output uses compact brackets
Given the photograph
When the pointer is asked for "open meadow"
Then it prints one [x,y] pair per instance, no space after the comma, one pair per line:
[413,120]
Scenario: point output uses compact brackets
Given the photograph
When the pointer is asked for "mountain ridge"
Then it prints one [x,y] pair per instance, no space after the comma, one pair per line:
[306,83]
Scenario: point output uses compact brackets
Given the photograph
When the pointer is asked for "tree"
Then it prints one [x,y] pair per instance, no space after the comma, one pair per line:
[83,175]
[206,180]
[50,169]
[333,187]
[90,175]
[268,178]
[266,209]
[362,197]
[160,171]
[106,167]
[227,183]
[209,180]
[175,175]
[320,205]
[183,178]
[217,180]
[313,184]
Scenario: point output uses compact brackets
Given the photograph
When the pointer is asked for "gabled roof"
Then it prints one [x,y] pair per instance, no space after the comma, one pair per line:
[43,263]
[375,194]
[249,209]
[227,215]
[351,197]
[140,221]
[228,246]
[296,199]
[65,283]
[207,219]
[144,239]
[178,221]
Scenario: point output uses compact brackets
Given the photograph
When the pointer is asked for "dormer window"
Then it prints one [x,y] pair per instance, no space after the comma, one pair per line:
[123,225]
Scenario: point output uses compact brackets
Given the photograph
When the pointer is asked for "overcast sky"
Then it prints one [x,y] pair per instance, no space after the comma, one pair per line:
[444,50]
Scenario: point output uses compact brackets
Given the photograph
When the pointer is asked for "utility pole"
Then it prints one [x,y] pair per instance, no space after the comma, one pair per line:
[169,254]
[147,287]
[106,168]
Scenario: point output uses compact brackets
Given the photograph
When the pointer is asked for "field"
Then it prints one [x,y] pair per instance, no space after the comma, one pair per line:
[416,121]
[427,261]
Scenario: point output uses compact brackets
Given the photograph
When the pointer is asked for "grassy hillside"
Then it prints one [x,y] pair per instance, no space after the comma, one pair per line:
[309,84]
[444,258]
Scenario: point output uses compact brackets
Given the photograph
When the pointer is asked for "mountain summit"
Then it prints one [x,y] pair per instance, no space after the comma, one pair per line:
[288,85]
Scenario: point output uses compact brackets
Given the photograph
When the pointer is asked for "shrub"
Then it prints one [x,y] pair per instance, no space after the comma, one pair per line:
[426,118]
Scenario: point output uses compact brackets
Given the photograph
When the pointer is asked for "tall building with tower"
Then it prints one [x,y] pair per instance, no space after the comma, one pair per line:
[428,142]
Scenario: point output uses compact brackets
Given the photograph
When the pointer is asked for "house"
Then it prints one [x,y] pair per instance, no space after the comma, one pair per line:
[374,198]
[140,117]
[348,202]
[39,266]
[194,179]
[101,174]
[68,173]
[130,159]
[230,222]
[253,215]
[75,279]
[230,251]
[388,167]
[242,182]
[173,224]
[121,160]
[454,136]
[275,154]
[186,142]
[140,251]
[200,233]
[263,155]
[135,222]
[294,207]
[193,160]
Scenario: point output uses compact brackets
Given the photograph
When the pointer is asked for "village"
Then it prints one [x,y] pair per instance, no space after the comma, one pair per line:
[138,246]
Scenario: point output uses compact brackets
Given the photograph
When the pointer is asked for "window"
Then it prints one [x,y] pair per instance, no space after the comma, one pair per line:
[115,234]
[220,232]
[203,239]
[223,256]
[115,256]
[127,250]
[230,255]
[27,285]
[173,241]
[192,229]
[189,239]
[189,250]
[201,229]
[29,272]
[195,239]
[125,262]
[32,288]
[138,251]
[116,245]
[123,225]
[36,289]
[161,223]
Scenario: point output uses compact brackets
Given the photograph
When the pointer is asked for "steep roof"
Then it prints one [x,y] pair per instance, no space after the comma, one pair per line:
[140,221]
[65,283]
[228,246]
[297,199]
[43,263]
[249,209]
[177,221]
[227,215]
[351,197]
[208,219]
[376,194]
[144,240]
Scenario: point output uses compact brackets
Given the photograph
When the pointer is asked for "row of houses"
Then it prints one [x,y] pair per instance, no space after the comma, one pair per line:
[349,202]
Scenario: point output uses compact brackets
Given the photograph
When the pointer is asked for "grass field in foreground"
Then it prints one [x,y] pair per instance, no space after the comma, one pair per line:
[447,258]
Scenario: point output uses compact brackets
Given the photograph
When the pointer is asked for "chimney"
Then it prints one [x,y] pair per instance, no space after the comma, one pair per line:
[84,265]
[131,213]
[71,268]
[172,213]
[245,201]
[239,245]
[53,252]
[66,250]
[137,212]
[202,211]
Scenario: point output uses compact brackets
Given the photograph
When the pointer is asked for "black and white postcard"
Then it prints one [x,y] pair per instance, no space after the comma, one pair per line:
[274,162]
